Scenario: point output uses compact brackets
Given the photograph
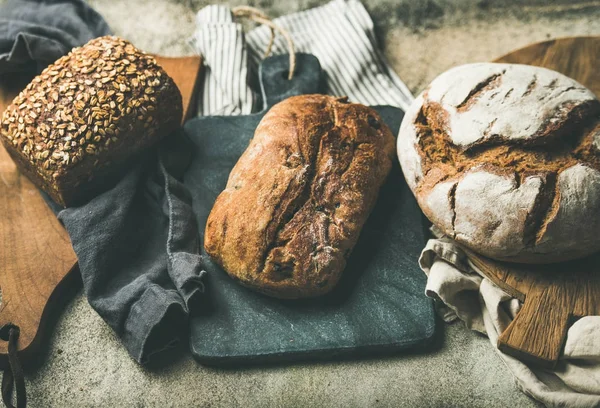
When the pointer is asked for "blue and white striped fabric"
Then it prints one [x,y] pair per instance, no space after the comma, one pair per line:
[340,34]
[221,43]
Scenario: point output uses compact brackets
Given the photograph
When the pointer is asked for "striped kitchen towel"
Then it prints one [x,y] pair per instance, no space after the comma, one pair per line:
[340,34]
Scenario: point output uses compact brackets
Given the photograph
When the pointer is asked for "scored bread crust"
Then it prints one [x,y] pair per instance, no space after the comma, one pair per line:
[297,198]
[79,122]
[504,158]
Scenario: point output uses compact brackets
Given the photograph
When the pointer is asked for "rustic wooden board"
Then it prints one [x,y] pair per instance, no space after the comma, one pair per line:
[185,71]
[36,257]
[553,295]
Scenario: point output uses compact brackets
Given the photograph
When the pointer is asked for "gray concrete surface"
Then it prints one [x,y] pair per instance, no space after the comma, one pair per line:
[86,365]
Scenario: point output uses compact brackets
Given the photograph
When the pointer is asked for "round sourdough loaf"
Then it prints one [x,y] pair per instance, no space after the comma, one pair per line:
[505,159]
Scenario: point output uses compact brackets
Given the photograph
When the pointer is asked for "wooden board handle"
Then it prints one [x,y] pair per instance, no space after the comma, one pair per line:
[538,332]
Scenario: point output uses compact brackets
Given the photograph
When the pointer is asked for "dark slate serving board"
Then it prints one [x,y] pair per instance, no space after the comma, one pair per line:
[379,304]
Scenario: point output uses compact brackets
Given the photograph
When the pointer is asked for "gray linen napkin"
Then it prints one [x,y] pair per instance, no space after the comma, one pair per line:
[35,33]
[138,252]
[137,243]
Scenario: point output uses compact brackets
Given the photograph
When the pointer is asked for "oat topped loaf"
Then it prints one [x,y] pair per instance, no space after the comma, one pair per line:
[505,159]
[297,199]
[84,117]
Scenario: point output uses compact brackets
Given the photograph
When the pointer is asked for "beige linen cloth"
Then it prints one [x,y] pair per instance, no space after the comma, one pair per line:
[461,291]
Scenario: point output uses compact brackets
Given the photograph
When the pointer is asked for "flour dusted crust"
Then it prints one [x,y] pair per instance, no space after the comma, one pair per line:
[512,102]
[505,158]
[298,197]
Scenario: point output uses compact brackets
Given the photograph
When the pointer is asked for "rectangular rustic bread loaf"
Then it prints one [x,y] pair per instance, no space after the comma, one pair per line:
[296,200]
[79,122]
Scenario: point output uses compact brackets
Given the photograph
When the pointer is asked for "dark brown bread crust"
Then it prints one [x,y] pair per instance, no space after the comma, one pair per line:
[85,116]
[296,200]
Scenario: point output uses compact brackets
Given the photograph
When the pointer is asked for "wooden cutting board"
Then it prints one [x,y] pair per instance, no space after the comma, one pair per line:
[554,296]
[36,257]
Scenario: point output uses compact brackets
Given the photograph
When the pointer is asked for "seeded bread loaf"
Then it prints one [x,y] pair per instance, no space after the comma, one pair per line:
[76,125]
[505,159]
[296,200]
